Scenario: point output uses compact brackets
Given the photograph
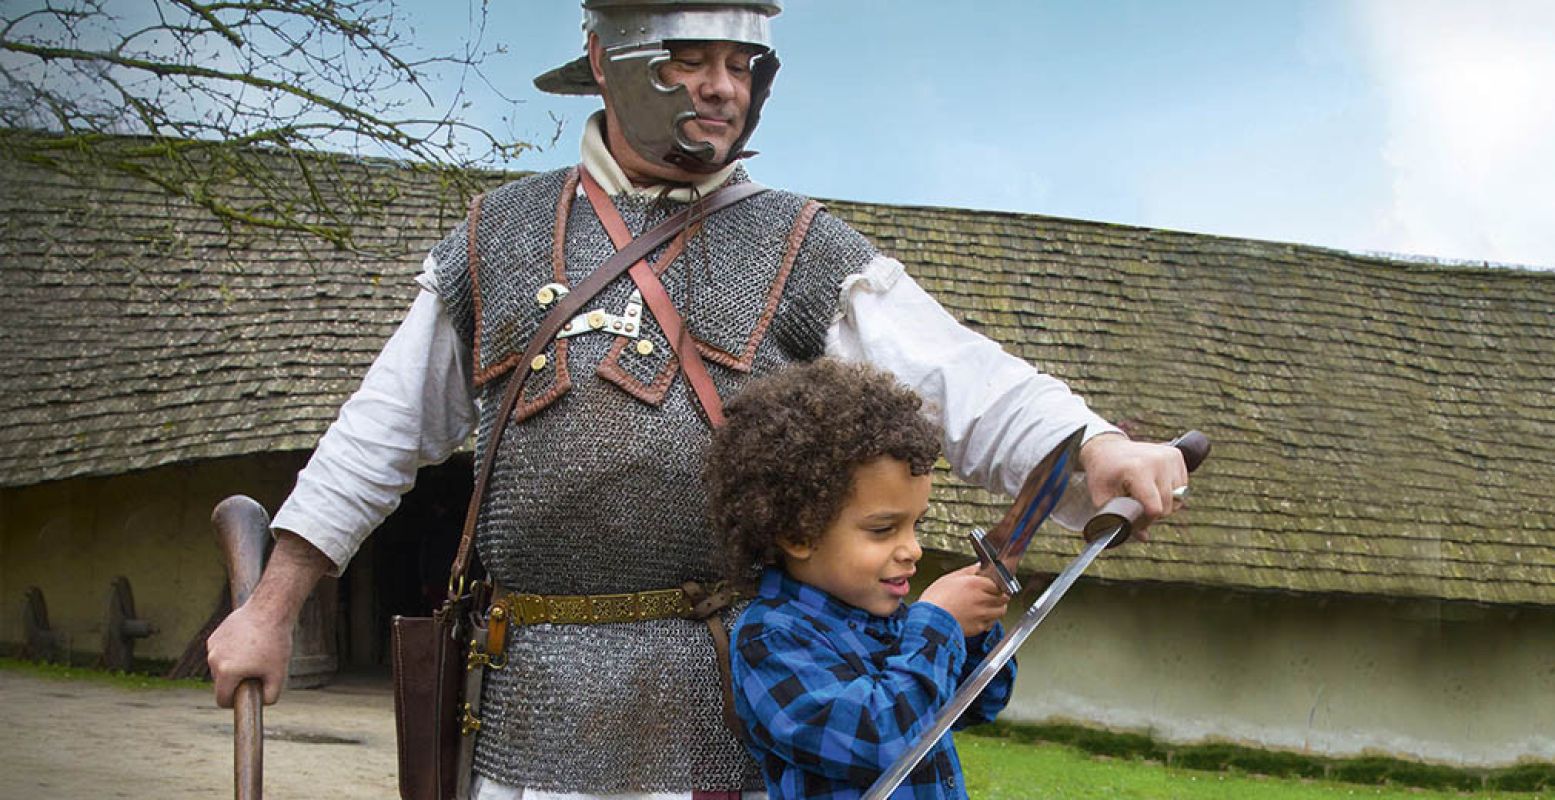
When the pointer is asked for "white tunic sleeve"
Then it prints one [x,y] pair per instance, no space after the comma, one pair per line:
[1000,414]
[415,407]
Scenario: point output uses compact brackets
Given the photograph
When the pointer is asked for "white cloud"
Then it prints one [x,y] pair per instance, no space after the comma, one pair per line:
[1470,94]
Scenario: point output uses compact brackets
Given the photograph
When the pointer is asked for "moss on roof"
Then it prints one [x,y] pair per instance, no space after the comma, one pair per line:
[1380,426]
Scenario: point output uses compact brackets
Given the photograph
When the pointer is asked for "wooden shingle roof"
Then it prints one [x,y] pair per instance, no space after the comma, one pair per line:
[136,332]
[1380,426]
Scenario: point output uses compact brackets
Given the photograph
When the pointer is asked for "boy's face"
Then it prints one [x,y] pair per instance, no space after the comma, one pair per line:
[870,550]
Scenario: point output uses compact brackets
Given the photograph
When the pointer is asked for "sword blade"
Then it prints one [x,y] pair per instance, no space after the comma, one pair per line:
[995,661]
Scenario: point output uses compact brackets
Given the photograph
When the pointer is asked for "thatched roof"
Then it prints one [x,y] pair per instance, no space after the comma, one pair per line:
[1380,426]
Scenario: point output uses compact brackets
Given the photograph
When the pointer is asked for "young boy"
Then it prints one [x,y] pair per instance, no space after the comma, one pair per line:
[817,485]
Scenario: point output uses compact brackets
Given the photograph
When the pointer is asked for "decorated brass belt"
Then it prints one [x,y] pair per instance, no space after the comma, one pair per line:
[590,609]
[692,601]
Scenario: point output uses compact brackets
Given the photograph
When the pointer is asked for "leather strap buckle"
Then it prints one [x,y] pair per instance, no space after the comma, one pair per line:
[468,722]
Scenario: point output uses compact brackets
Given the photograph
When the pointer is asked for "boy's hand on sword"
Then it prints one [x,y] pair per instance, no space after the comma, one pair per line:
[974,600]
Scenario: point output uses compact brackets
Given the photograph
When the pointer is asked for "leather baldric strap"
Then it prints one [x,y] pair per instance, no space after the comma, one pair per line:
[706,605]
[563,311]
[659,302]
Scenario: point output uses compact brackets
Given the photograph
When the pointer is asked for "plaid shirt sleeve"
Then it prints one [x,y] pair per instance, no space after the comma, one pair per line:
[828,712]
[997,694]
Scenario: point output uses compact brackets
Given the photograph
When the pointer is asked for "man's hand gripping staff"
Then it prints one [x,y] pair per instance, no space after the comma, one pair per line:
[1001,551]
[243,533]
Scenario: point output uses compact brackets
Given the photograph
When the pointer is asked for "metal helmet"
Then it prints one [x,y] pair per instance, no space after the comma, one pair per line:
[634,36]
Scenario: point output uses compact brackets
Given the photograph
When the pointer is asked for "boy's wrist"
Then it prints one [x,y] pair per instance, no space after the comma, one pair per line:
[979,645]
[923,617]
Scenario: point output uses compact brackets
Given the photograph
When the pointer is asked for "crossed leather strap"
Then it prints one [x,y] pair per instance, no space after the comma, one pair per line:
[705,605]
[659,303]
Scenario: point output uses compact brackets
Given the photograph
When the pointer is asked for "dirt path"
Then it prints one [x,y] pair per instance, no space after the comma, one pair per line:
[84,739]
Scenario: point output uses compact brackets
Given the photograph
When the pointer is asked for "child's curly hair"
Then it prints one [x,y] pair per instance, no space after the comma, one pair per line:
[782,467]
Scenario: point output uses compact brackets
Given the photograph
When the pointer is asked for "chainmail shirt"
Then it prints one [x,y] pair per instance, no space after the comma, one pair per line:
[596,486]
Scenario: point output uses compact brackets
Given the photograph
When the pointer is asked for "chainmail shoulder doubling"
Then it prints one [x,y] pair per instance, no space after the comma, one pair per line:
[514,227]
[596,488]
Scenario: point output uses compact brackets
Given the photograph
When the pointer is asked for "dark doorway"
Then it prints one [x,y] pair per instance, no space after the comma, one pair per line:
[402,568]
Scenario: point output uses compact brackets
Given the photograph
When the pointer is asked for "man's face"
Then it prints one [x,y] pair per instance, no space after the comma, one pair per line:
[870,550]
[717,78]
[717,75]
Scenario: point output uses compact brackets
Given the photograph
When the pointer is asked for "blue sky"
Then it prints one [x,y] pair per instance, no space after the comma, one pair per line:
[1407,126]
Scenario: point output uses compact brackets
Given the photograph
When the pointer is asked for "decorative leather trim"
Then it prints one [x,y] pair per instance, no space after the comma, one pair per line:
[472,263]
[529,405]
[743,362]
[559,242]
[531,402]
[651,393]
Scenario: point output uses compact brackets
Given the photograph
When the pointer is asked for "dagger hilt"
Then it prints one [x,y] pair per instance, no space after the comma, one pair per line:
[992,566]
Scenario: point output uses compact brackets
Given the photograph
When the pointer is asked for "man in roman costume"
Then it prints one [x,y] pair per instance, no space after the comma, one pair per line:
[595,487]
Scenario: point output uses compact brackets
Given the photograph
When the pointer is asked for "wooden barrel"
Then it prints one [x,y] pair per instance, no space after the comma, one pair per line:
[315,656]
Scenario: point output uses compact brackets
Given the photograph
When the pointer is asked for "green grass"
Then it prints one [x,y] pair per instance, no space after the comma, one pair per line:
[123,680]
[1224,757]
[1004,768]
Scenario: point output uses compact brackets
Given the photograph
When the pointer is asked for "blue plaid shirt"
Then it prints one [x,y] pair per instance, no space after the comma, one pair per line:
[830,695]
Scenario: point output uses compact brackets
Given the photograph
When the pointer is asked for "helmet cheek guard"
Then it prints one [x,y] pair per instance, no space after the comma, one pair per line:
[653,114]
[764,69]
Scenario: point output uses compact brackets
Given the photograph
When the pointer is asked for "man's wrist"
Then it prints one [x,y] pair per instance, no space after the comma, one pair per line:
[1099,443]
[294,568]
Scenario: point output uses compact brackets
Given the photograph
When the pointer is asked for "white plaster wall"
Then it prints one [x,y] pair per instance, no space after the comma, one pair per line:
[70,538]
[1336,675]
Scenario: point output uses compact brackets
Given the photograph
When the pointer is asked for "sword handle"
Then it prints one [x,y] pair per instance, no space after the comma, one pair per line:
[1194,446]
[1121,513]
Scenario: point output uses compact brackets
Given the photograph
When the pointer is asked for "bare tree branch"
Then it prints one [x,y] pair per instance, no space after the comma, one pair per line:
[217,90]
[209,16]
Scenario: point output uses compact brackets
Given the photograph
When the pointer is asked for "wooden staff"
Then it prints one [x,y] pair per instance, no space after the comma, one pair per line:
[243,532]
